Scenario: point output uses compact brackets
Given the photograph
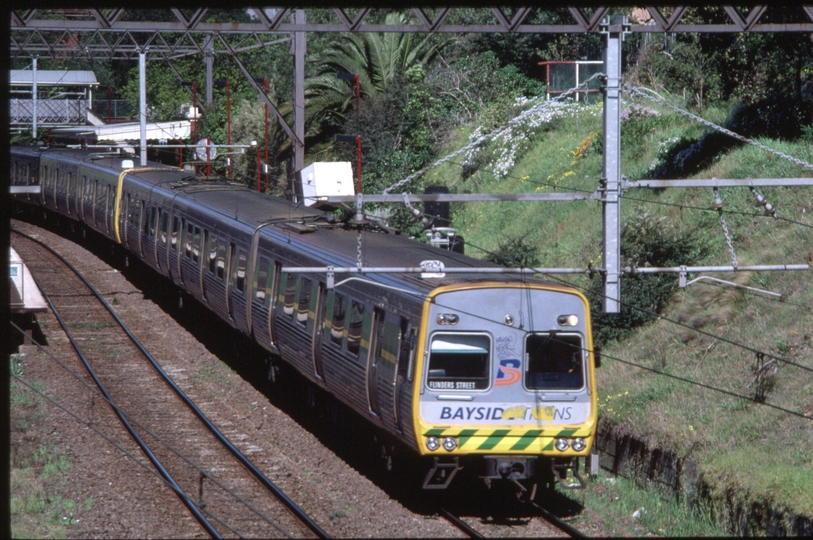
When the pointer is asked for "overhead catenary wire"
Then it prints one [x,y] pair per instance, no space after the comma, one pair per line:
[488,136]
[684,379]
[662,317]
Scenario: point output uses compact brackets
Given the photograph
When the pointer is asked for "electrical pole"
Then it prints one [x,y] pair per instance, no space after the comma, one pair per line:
[142,102]
[611,180]
[34,98]
[298,45]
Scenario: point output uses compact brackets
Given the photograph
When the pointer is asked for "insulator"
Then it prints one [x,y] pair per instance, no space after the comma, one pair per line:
[769,210]
[718,202]
[761,200]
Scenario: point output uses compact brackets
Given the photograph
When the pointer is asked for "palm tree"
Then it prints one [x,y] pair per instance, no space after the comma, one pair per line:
[376,58]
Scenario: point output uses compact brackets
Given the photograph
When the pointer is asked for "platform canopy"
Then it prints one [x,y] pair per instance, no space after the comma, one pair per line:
[57,77]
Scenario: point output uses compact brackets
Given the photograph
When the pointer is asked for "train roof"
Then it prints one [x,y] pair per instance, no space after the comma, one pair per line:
[314,237]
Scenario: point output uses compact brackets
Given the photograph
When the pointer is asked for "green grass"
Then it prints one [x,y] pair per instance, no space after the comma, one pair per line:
[614,501]
[38,467]
[759,452]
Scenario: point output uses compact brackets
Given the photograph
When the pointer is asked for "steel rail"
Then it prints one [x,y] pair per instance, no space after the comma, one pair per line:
[185,499]
[460,524]
[558,523]
[290,504]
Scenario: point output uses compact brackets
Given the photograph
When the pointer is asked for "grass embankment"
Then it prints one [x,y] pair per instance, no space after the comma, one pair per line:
[38,466]
[745,450]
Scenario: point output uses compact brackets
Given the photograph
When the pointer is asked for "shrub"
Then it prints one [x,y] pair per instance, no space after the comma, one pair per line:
[515,252]
[645,241]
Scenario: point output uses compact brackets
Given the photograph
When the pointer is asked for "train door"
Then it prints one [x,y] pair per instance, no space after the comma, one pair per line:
[404,373]
[55,188]
[232,271]
[156,234]
[123,218]
[87,201]
[70,200]
[110,209]
[75,192]
[373,357]
[272,308]
[163,240]
[204,255]
[99,206]
[175,249]
[318,328]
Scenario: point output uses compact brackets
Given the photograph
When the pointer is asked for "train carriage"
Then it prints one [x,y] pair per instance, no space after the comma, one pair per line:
[482,368]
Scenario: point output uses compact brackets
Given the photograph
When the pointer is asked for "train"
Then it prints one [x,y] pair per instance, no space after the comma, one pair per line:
[489,371]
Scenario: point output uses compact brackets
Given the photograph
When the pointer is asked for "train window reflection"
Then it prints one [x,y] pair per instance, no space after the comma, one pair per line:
[221,258]
[459,362]
[354,330]
[304,302]
[262,278]
[290,293]
[554,361]
[240,276]
[337,322]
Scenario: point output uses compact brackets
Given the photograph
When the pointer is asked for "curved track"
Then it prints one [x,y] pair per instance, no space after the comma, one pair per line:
[181,443]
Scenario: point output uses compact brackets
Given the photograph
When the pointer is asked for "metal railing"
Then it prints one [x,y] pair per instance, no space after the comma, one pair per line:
[49,111]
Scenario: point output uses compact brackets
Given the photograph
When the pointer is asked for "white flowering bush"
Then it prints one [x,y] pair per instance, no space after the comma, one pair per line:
[661,153]
[502,147]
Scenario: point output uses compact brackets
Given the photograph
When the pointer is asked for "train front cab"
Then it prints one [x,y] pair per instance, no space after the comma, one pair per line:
[506,383]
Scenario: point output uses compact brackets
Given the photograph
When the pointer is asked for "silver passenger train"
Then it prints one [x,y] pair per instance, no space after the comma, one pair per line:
[489,370]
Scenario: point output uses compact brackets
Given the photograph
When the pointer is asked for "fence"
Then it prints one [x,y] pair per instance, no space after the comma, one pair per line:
[49,111]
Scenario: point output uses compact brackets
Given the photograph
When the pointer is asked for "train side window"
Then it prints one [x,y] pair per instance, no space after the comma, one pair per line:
[290,295]
[135,215]
[110,208]
[354,328]
[261,276]
[388,344]
[337,322]
[212,253]
[175,228]
[125,217]
[190,230]
[221,259]
[459,361]
[152,222]
[164,226]
[240,273]
[196,246]
[54,184]
[408,349]
[101,196]
[87,197]
[304,301]
[554,361]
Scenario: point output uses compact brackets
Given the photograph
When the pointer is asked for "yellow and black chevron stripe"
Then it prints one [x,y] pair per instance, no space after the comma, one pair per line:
[515,441]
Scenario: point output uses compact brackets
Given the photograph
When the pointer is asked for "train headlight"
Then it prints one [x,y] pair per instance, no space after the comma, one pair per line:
[579,444]
[562,444]
[432,443]
[449,444]
[567,320]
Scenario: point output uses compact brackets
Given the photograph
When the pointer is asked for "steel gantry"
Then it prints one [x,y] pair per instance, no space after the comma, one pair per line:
[124,34]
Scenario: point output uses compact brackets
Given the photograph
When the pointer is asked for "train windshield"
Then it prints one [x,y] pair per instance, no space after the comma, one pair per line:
[554,361]
[459,362]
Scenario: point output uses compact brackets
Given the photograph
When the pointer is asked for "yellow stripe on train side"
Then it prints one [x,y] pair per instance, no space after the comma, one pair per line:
[120,191]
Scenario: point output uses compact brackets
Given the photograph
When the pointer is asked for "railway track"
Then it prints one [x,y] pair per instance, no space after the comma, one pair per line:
[551,519]
[226,494]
